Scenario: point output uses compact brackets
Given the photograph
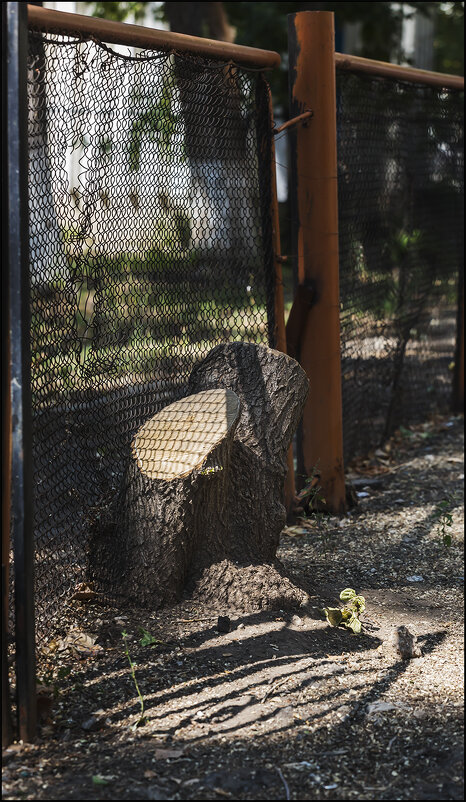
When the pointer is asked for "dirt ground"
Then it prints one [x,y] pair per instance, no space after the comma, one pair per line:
[282,706]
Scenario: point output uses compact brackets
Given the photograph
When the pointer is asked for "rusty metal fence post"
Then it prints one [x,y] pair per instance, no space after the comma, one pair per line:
[271,238]
[314,197]
[279,311]
[15,187]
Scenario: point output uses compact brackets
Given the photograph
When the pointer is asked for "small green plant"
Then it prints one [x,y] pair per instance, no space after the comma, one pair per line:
[444,518]
[347,616]
[148,639]
[143,719]
[97,779]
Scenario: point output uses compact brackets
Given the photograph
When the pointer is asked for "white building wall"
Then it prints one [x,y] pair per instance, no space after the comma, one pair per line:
[127,205]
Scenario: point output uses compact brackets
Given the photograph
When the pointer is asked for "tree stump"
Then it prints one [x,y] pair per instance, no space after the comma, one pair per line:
[201,506]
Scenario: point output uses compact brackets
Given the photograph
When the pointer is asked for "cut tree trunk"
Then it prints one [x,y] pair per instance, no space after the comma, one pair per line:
[201,506]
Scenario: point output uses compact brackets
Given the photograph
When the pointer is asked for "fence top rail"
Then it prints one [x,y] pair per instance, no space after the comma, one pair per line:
[398,72]
[120,33]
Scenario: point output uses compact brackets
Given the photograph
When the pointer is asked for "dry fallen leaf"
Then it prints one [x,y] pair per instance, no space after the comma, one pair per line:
[149,774]
[295,531]
[50,647]
[83,592]
[81,644]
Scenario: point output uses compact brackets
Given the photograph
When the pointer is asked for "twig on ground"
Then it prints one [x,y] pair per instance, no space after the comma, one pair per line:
[274,688]
[287,790]
[379,787]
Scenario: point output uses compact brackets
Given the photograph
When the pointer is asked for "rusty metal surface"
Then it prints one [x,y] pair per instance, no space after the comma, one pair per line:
[279,308]
[138,36]
[303,302]
[301,119]
[397,72]
[314,170]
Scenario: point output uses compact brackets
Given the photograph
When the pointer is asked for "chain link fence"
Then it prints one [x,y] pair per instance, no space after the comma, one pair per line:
[150,243]
[401,205]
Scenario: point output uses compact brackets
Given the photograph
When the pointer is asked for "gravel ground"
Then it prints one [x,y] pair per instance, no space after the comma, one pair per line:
[282,706]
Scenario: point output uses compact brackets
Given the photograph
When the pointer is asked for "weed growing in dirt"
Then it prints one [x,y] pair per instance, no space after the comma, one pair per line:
[348,616]
[444,518]
[148,639]
[143,719]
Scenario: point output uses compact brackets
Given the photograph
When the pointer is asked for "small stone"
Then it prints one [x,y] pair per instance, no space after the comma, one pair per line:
[240,626]
[380,707]
[344,711]
[90,724]
[223,623]
[156,792]
[405,643]
[284,715]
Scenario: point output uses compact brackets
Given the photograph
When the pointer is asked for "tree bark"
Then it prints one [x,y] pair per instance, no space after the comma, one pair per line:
[201,507]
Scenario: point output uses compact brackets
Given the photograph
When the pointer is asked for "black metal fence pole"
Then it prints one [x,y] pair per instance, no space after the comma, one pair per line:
[458,376]
[17,244]
[6,433]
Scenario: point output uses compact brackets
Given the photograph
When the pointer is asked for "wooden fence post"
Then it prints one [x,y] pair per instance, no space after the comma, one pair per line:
[315,201]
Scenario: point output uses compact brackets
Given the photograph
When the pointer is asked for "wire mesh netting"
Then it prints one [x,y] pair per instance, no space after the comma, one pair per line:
[401,199]
[150,243]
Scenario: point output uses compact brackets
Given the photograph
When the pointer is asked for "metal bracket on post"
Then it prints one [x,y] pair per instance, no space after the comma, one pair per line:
[15,27]
[302,119]
[314,198]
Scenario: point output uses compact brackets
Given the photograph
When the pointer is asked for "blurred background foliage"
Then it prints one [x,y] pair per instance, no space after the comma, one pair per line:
[264,25]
